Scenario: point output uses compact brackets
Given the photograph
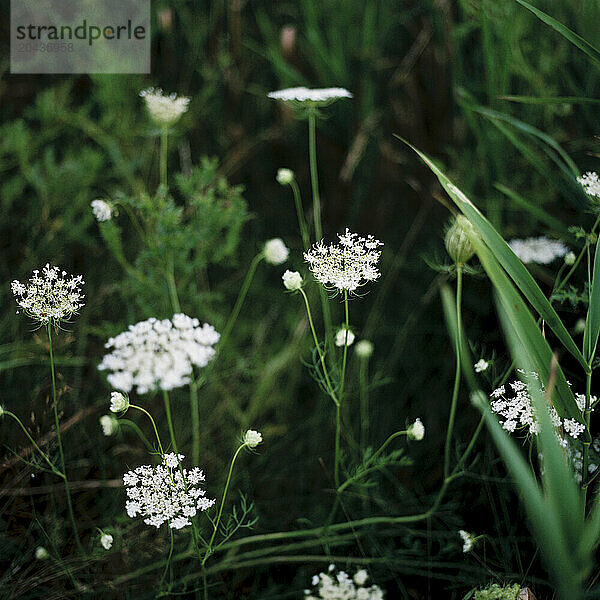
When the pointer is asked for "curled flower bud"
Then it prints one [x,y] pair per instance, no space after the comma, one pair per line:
[109,424]
[41,553]
[292,280]
[101,209]
[106,540]
[118,402]
[252,438]
[364,349]
[416,431]
[285,176]
[457,242]
[275,251]
[344,337]
[570,258]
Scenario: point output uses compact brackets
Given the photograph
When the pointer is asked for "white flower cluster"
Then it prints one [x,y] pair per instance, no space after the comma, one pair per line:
[304,94]
[344,337]
[109,424]
[468,540]
[518,412]
[164,109]
[50,297]
[590,183]
[416,431]
[106,540]
[347,265]
[481,365]
[576,457]
[252,438]
[340,586]
[540,250]
[580,399]
[292,280]
[157,354]
[101,209]
[165,493]
[275,251]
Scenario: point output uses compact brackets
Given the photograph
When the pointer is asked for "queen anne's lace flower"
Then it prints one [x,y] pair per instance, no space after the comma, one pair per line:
[364,349]
[468,540]
[347,265]
[275,251]
[481,365]
[157,354]
[50,297]
[590,183]
[102,210]
[416,431]
[292,280]
[109,424]
[118,402]
[518,412]
[164,109]
[165,493]
[321,96]
[252,438]
[340,586]
[341,339]
[106,540]
[285,176]
[41,553]
[540,250]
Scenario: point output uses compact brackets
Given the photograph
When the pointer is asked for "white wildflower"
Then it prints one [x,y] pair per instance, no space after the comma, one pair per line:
[164,109]
[580,399]
[106,540]
[322,97]
[164,494]
[481,365]
[364,349]
[590,183]
[573,427]
[347,265]
[468,540]
[416,431]
[285,176]
[344,337]
[292,280]
[41,553]
[101,209]
[118,402]
[341,586]
[157,354]
[50,297]
[570,258]
[252,438]
[579,326]
[109,424]
[275,251]
[540,250]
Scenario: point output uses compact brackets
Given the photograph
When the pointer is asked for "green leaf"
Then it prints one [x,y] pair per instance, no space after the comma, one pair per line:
[550,99]
[567,33]
[592,322]
[507,258]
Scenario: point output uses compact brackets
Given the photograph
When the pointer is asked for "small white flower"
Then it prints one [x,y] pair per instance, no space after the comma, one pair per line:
[109,424]
[101,209]
[172,460]
[321,96]
[285,176]
[573,427]
[106,540]
[165,494]
[347,265]
[468,540]
[275,251]
[252,438]
[481,365]
[416,431]
[540,250]
[292,280]
[344,337]
[364,349]
[342,586]
[51,297]
[579,326]
[164,109]
[118,402]
[41,553]
[570,258]
[360,577]
[155,354]
[590,183]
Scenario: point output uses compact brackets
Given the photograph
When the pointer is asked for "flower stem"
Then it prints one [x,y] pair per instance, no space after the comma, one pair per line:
[363,376]
[240,301]
[170,421]
[338,420]
[216,525]
[195,418]
[458,346]
[169,558]
[172,285]
[300,212]
[160,446]
[59,441]
[163,155]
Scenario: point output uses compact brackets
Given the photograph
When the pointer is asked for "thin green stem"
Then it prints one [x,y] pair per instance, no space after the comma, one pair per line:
[586,445]
[172,285]
[344,360]
[134,426]
[338,433]
[169,557]
[456,389]
[163,155]
[314,175]
[338,420]
[59,441]
[42,453]
[363,376]
[170,421]
[300,212]
[330,389]
[160,446]
[218,520]
[240,301]
[195,419]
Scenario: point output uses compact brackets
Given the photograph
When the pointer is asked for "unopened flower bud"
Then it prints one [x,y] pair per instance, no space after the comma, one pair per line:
[252,438]
[292,280]
[416,431]
[457,242]
[364,349]
[285,176]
